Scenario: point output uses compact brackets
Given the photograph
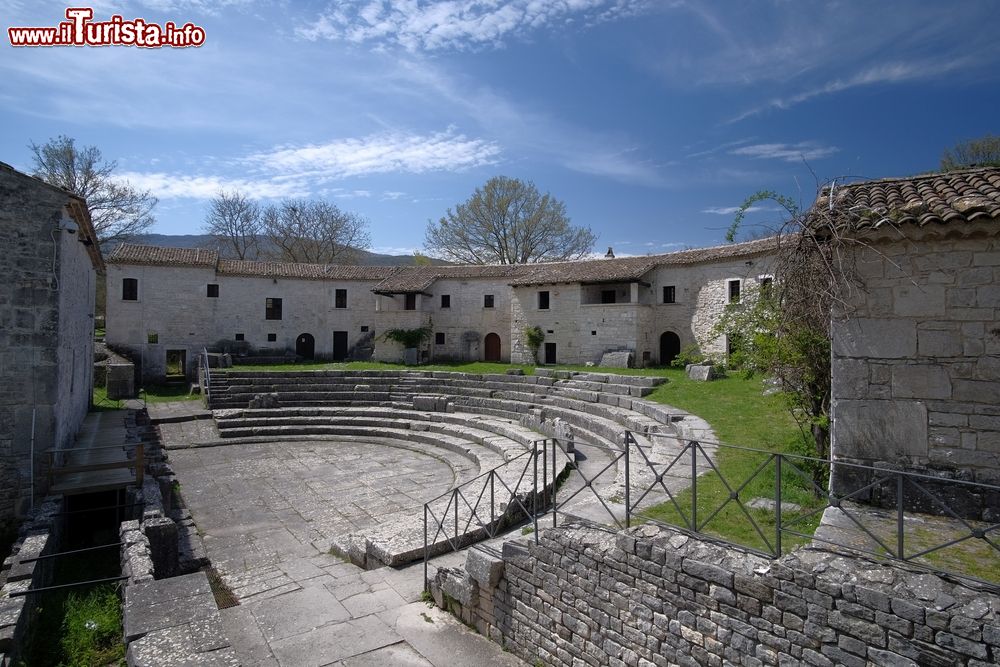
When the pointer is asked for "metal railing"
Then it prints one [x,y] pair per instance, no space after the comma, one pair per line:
[885,514]
[206,377]
[63,462]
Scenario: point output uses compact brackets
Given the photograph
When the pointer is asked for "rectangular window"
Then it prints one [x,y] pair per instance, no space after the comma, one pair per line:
[240,337]
[213,291]
[272,338]
[340,298]
[130,289]
[152,338]
[734,291]
[543,301]
[669,294]
[272,309]
[607,296]
[410,302]
[765,285]
[364,329]
[487,301]
[439,338]
[446,301]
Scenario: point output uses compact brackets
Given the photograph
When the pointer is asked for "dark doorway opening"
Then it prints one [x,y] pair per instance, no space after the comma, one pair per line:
[550,353]
[176,364]
[339,345]
[670,347]
[491,345]
[305,346]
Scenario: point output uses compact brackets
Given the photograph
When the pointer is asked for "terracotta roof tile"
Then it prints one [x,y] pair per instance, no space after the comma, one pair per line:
[235,267]
[946,198]
[130,253]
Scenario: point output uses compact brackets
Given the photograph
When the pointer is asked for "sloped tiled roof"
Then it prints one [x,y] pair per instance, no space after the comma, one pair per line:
[420,278]
[633,268]
[947,198]
[235,267]
[131,253]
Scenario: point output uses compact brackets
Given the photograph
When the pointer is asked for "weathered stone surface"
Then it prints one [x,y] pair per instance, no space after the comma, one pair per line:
[264,401]
[620,359]
[701,372]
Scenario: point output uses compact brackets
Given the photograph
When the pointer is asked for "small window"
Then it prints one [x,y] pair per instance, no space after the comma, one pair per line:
[272,338]
[130,289]
[364,329]
[669,294]
[439,338]
[213,291]
[240,337]
[543,300]
[607,296]
[410,302]
[487,301]
[340,298]
[734,291]
[593,333]
[152,338]
[272,309]
[446,301]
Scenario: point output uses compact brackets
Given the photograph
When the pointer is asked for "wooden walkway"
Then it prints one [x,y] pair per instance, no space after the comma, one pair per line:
[100,459]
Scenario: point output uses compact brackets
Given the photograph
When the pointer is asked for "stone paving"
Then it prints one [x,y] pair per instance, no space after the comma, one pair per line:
[269,512]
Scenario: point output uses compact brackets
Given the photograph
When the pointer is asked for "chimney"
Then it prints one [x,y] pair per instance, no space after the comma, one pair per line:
[610,254]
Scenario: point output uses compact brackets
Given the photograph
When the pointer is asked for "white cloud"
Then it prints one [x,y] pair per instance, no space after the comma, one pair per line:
[418,25]
[804,150]
[390,152]
[175,186]
[392,195]
[730,210]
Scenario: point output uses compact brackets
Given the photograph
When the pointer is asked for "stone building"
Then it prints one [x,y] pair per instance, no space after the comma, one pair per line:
[50,261]
[916,352]
[165,304]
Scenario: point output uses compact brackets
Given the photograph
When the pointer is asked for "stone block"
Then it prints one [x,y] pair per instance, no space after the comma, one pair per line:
[619,359]
[484,567]
[914,380]
[701,372]
[874,338]
[163,546]
[874,429]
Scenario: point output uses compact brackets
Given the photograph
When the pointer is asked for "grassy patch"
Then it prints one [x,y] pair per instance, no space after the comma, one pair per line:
[740,415]
[154,394]
[478,367]
[80,626]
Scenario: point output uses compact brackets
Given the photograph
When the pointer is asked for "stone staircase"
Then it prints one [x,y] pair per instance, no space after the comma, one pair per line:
[490,419]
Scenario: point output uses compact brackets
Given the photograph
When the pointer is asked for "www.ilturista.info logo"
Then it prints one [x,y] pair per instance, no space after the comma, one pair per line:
[81,30]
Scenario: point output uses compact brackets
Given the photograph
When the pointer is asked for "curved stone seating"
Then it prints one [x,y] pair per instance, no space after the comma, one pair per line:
[489,418]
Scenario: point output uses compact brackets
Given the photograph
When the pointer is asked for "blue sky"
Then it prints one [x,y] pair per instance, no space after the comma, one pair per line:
[651,120]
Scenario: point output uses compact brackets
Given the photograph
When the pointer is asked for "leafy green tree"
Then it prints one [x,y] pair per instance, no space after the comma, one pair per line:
[117,209]
[982,152]
[507,221]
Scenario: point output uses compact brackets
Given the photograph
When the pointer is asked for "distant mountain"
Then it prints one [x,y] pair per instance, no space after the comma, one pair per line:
[206,241]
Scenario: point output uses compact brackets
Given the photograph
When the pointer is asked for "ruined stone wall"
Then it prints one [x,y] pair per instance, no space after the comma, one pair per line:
[916,355]
[41,351]
[652,596]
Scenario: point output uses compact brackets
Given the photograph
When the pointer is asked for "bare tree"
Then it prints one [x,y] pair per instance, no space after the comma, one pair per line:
[235,221]
[982,152]
[315,232]
[507,221]
[117,209]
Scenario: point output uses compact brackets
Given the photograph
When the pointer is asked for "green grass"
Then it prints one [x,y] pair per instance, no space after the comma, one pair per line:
[154,394]
[477,367]
[740,415]
[80,627]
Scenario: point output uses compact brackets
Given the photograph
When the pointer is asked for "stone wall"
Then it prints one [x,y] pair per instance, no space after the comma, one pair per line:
[916,354]
[652,596]
[46,331]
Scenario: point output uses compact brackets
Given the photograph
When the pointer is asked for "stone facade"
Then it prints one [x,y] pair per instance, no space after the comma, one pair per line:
[651,596]
[473,313]
[50,261]
[916,354]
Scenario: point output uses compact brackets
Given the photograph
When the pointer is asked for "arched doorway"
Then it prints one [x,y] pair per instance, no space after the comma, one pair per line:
[491,347]
[670,347]
[305,346]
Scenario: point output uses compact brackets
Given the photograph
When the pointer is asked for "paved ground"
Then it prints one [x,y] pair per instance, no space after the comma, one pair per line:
[269,512]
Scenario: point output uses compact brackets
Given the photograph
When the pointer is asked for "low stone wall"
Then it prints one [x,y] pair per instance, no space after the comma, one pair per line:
[40,535]
[653,596]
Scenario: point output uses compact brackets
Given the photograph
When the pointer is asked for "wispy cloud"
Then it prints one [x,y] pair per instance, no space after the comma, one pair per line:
[730,210]
[389,152]
[804,150]
[889,73]
[180,186]
[458,24]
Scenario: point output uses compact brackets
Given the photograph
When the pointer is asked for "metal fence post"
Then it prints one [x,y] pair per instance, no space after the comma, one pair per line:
[454,499]
[426,582]
[694,484]
[534,496]
[899,517]
[555,508]
[628,481]
[777,506]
